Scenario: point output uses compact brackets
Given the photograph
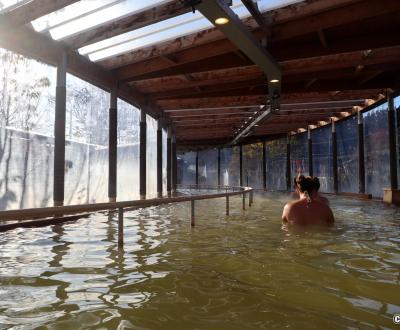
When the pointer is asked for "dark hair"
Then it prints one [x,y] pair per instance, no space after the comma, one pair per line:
[317,185]
[304,183]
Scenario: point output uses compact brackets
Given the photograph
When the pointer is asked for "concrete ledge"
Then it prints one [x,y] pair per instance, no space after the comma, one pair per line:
[391,196]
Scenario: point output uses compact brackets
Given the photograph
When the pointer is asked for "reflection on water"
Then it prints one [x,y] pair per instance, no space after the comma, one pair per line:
[236,272]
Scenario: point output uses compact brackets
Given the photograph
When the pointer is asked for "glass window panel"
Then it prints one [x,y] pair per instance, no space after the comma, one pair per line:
[253,165]
[376,144]
[276,164]
[208,167]
[397,112]
[127,151]
[299,154]
[266,5]
[187,168]
[8,5]
[322,157]
[86,150]
[164,161]
[347,154]
[151,157]
[27,93]
[230,166]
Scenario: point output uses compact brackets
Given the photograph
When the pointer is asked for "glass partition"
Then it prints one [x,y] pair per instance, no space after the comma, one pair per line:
[27,95]
[230,165]
[128,151]
[347,154]
[376,144]
[151,157]
[299,154]
[322,157]
[276,164]
[187,168]
[253,165]
[208,167]
[164,162]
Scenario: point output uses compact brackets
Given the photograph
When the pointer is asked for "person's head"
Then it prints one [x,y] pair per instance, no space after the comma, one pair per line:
[304,184]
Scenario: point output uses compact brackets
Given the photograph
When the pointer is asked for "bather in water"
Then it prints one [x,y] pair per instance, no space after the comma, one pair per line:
[310,209]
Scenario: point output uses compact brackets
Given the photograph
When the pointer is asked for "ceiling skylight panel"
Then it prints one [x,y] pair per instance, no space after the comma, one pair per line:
[7,5]
[117,11]
[71,12]
[155,33]
[266,5]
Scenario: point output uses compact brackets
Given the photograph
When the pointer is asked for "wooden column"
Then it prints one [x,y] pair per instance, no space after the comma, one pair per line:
[59,132]
[112,147]
[219,167]
[159,159]
[169,134]
[241,166]
[310,156]
[288,174]
[334,157]
[264,155]
[392,143]
[173,163]
[197,167]
[142,154]
[361,163]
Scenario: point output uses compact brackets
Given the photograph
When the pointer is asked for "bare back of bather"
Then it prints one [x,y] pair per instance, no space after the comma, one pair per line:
[307,211]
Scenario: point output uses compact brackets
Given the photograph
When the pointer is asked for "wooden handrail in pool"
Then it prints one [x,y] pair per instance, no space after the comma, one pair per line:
[56,214]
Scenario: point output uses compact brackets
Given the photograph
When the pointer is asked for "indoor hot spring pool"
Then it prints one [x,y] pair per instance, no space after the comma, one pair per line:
[241,271]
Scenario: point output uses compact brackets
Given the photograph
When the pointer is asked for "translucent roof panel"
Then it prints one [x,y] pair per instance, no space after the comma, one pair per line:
[152,34]
[266,5]
[7,5]
[88,14]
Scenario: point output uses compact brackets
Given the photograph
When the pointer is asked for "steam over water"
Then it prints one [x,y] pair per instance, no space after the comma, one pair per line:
[236,272]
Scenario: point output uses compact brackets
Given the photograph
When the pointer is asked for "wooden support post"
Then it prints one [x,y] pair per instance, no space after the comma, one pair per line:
[361,163]
[249,198]
[310,155]
[112,147]
[142,156]
[227,204]
[219,167]
[334,158]
[169,133]
[59,132]
[392,143]
[241,166]
[264,154]
[120,227]
[159,159]
[173,163]
[288,178]
[244,201]
[197,168]
[192,221]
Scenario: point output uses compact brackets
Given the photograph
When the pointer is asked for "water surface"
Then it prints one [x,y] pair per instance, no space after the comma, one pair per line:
[236,272]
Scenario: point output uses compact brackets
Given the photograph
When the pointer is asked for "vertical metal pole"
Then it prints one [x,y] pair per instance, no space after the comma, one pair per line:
[334,158]
[288,178]
[159,159]
[169,133]
[192,221]
[244,201]
[197,168]
[59,132]
[241,166]
[249,198]
[392,143]
[219,167]
[361,163]
[112,147]
[142,156]
[173,162]
[310,155]
[227,204]
[120,227]
[264,155]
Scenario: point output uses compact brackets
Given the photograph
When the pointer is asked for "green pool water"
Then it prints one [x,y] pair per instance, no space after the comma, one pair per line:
[236,272]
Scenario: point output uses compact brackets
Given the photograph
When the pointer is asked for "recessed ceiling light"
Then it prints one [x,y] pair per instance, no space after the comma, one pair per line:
[221,20]
[274,81]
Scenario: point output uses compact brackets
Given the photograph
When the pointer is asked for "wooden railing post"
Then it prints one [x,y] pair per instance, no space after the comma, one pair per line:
[244,200]
[227,204]
[120,227]
[192,222]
